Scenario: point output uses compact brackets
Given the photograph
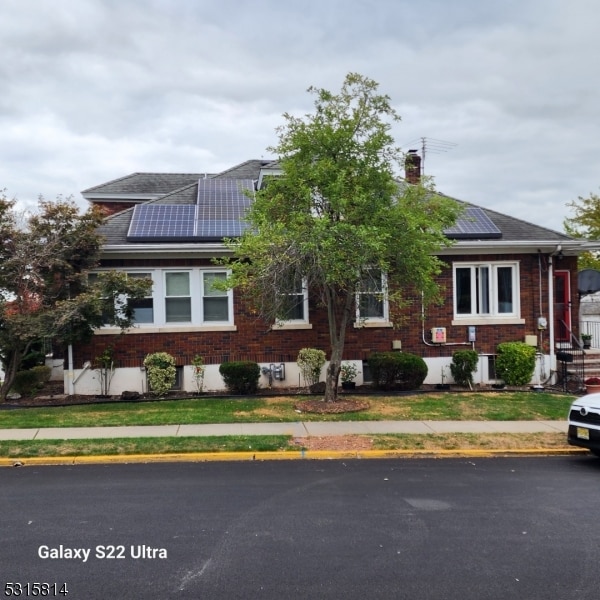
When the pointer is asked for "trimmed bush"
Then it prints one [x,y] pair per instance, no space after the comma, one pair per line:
[240,377]
[515,363]
[464,364]
[26,382]
[310,361]
[397,370]
[161,372]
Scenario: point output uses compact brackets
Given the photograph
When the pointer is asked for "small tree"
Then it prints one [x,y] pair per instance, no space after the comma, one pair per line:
[310,362]
[161,372]
[199,369]
[104,364]
[45,292]
[585,223]
[337,214]
[464,364]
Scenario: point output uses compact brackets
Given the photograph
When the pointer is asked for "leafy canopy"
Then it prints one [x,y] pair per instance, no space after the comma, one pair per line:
[45,293]
[337,215]
[585,224]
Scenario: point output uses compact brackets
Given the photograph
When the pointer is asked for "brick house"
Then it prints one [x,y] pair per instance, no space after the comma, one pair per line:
[505,280]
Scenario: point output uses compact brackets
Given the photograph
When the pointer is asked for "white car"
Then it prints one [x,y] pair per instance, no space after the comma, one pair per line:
[584,423]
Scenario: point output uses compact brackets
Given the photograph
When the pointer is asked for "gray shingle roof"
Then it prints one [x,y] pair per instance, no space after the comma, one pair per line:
[115,227]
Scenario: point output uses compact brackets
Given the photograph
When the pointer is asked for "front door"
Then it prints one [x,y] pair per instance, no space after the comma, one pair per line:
[562,305]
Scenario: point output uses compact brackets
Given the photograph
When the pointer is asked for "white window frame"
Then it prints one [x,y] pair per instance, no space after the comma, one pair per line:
[305,319]
[189,296]
[159,297]
[385,317]
[226,294]
[148,273]
[493,312]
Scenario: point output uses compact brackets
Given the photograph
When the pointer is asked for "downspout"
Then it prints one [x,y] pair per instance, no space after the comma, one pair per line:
[70,372]
[551,310]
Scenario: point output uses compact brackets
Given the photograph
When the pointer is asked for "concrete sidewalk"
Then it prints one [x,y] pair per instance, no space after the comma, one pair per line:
[295,429]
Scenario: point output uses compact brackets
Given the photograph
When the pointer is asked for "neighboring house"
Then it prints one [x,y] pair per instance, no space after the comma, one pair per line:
[505,280]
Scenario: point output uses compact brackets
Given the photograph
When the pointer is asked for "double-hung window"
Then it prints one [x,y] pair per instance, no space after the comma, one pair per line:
[178,298]
[486,290]
[294,308]
[215,301]
[372,302]
[143,308]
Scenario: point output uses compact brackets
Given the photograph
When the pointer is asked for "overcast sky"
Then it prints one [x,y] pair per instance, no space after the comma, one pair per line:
[506,93]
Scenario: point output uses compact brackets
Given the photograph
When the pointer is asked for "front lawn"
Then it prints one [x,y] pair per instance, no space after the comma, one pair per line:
[476,406]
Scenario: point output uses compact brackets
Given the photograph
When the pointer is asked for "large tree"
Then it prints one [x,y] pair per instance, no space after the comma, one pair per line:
[337,218]
[585,224]
[45,292]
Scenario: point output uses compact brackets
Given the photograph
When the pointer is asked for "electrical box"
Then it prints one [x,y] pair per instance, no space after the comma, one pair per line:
[396,344]
[542,323]
[438,335]
[472,333]
[531,340]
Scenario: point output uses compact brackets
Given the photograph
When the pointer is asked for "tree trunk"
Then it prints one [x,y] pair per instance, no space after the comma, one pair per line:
[12,366]
[338,321]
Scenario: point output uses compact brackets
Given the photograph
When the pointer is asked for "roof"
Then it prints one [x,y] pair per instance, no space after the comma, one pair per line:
[510,234]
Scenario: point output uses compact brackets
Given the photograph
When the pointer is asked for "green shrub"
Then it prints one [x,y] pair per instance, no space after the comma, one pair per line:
[464,364]
[311,361]
[397,370]
[240,377]
[26,382]
[515,363]
[160,367]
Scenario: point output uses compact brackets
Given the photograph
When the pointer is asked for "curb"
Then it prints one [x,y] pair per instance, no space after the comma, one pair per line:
[277,455]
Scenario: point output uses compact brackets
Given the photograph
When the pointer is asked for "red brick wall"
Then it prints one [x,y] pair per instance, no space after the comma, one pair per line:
[254,340]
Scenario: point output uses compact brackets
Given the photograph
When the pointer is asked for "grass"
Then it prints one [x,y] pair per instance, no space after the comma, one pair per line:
[126,446]
[478,406]
[484,406]
[21,450]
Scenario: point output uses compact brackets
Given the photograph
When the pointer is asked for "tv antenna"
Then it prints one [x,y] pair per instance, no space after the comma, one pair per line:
[431,145]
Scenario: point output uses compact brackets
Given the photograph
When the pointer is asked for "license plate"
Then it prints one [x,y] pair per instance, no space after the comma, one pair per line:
[583,433]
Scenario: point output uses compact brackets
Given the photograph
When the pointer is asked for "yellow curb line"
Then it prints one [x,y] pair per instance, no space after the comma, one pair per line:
[278,455]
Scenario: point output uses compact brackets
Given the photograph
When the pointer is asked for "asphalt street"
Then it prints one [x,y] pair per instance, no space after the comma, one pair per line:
[497,528]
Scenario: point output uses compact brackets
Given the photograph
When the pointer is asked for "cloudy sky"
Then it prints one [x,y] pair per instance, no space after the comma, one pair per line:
[504,94]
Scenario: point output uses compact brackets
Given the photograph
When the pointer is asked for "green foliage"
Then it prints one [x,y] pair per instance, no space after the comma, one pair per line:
[397,370]
[44,289]
[240,377]
[348,372]
[464,364]
[199,369]
[311,361]
[42,373]
[160,367]
[104,364]
[515,363]
[336,212]
[29,381]
[585,224]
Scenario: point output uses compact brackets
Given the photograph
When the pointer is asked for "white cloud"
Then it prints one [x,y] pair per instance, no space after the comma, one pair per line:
[96,89]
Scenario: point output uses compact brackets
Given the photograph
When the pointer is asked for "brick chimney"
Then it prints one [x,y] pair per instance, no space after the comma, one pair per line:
[412,167]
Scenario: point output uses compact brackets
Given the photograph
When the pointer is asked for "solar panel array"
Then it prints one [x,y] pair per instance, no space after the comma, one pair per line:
[473,224]
[218,213]
[152,222]
[222,205]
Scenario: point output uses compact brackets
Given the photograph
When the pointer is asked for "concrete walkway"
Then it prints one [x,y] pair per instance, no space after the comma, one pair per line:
[295,429]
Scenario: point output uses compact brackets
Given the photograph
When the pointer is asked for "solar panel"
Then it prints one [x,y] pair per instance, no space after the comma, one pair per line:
[473,224]
[155,222]
[218,213]
[222,205]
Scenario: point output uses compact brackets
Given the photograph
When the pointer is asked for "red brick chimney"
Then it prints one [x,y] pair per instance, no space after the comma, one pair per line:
[412,167]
